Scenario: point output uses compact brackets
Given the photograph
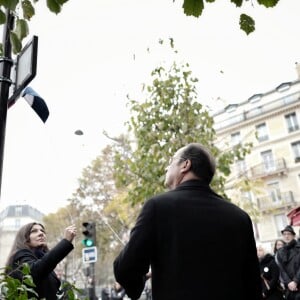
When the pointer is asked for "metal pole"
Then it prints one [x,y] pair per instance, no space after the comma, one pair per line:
[92,292]
[5,82]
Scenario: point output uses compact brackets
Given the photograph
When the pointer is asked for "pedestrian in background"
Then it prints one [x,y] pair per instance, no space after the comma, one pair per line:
[30,246]
[117,292]
[105,293]
[269,272]
[277,245]
[288,259]
[199,246]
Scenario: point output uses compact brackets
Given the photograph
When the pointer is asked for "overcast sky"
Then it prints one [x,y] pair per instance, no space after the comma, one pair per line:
[94,53]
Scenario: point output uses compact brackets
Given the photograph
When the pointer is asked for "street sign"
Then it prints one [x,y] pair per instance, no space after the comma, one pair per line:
[89,254]
[25,69]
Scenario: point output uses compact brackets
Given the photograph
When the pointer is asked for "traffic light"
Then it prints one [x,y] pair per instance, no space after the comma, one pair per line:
[89,233]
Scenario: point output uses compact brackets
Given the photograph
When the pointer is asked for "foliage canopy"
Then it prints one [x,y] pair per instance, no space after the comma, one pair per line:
[246,22]
[20,26]
[169,118]
[27,11]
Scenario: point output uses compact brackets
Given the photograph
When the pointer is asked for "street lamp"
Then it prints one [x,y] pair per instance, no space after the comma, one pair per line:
[5,82]
[25,72]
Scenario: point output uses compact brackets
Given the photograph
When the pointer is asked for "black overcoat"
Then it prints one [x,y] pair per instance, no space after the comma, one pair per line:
[46,281]
[198,245]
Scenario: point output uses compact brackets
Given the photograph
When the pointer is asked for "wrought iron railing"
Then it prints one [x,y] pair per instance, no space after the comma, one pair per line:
[281,199]
[268,168]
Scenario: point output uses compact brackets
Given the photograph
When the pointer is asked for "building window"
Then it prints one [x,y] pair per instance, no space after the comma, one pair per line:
[17,223]
[283,87]
[240,167]
[292,122]
[268,160]
[246,196]
[255,98]
[280,223]
[290,99]
[231,108]
[262,132]
[18,211]
[274,191]
[236,138]
[296,151]
[255,111]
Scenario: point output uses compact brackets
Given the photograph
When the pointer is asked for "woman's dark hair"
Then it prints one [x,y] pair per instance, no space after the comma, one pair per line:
[203,164]
[22,240]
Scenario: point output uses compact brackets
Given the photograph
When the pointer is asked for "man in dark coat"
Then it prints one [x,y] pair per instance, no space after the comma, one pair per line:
[199,246]
[288,259]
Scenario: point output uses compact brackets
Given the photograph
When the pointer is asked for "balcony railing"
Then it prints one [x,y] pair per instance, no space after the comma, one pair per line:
[281,200]
[270,168]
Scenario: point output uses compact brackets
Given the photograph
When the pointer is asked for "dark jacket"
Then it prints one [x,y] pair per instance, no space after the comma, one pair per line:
[117,294]
[288,258]
[270,278]
[46,281]
[199,246]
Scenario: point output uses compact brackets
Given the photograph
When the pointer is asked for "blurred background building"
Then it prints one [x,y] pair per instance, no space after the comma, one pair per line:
[270,121]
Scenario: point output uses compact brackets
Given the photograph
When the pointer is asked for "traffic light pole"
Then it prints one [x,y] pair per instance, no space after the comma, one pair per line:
[92,292]
[5,82]
[89,241]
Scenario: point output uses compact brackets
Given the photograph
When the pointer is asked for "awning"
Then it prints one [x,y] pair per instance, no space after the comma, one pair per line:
[294,216]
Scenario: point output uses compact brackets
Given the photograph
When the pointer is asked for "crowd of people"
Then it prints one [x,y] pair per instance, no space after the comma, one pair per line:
[280,270]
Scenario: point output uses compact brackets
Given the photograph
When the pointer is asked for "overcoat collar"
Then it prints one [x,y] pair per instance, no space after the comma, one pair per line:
[195,184]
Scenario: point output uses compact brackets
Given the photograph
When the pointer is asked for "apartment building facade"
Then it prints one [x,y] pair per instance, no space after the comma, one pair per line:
[271,122]
[12,219]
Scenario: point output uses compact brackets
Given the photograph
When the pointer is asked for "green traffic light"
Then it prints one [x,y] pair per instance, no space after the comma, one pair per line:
[88,242]
[89,232]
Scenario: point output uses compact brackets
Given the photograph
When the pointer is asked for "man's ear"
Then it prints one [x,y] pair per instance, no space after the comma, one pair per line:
[186,166]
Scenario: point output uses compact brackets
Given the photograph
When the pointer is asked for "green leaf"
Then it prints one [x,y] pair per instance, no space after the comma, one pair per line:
[15,43]
[2,17]
[25,269]
[247,24]
[29,282]
[28,9]
[238,3]
[22,29]
[11,4]
[268,3]
[193,7]
[54,6]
